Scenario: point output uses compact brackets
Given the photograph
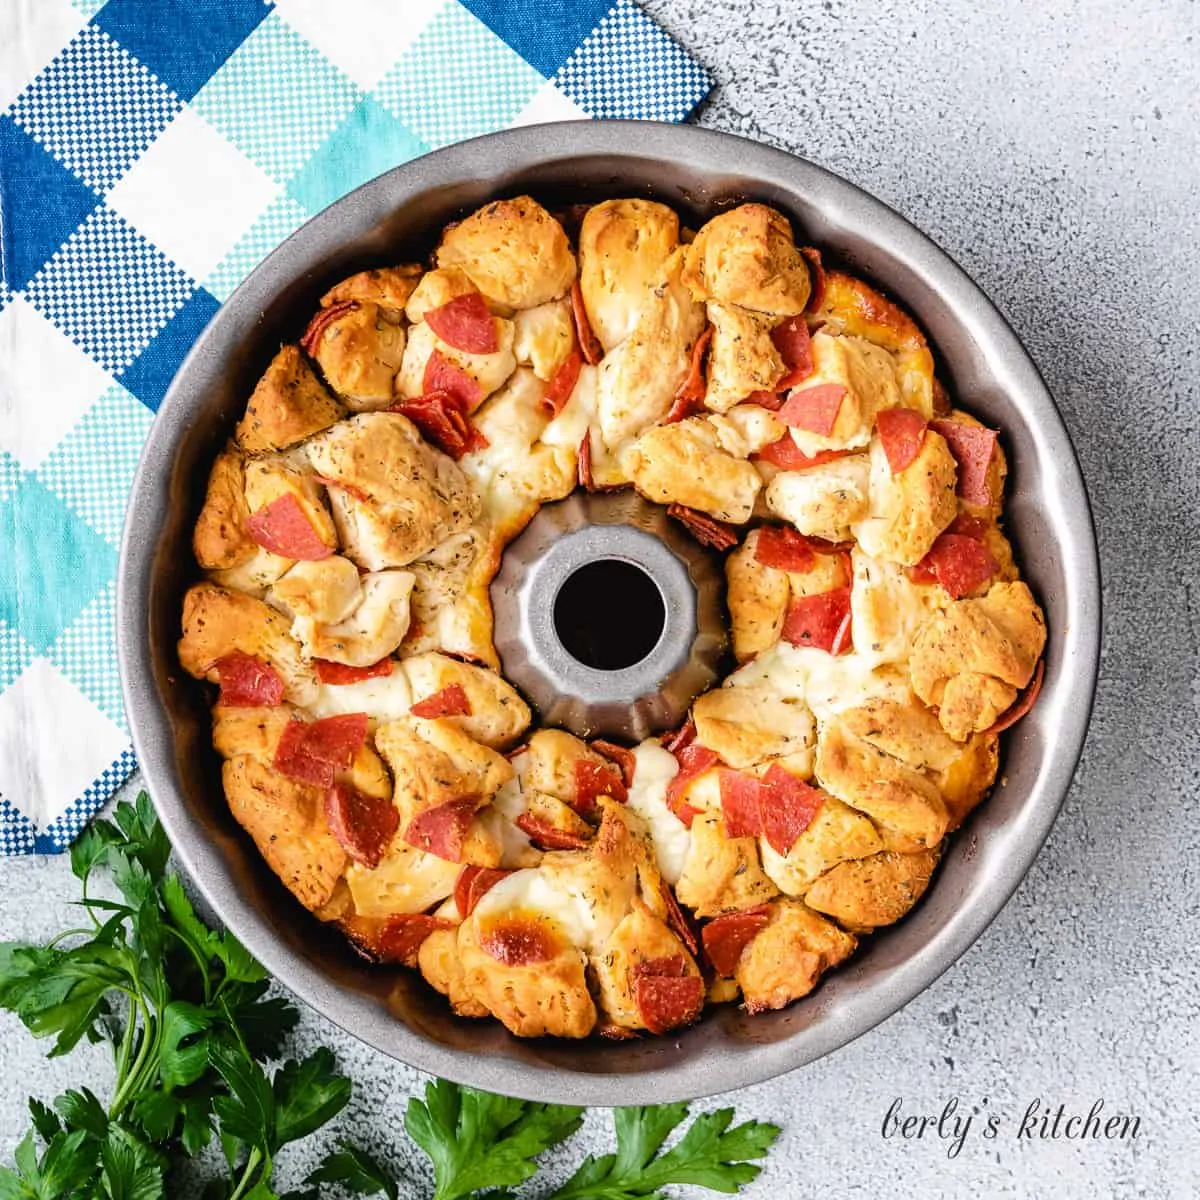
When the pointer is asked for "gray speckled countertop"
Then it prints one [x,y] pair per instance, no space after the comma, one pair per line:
[1052,147]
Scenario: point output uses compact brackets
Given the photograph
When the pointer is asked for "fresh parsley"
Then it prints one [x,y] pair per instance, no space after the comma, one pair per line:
[191,1026]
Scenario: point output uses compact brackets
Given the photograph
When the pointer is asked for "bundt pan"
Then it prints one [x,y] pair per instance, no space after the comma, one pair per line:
[393,219]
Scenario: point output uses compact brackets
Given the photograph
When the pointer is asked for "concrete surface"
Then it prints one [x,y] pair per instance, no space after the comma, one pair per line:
[1051,146]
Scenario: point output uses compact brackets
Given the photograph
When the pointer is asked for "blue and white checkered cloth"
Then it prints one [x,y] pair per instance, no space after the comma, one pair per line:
[152,152]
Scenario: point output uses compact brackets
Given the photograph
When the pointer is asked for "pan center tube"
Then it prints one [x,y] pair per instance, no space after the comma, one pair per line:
[609,616]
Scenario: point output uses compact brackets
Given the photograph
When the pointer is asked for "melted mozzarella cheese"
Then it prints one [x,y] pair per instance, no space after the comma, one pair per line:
[507,805]
[385,698]
[655,769]
[532,890]
[568,428]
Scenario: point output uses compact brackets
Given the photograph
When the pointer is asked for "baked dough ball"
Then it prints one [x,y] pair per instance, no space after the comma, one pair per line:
[394,497]
[217,622]
[889,791]
[371,628]
[486,371]
[286,819]
[442,967]
[826,500]
[838,833]
[624,246]
[407,880]
[288,404]
[746,725]
[220,539]
[970,660]
[757,597]
[638,378]
[747,256]
[742,358]
[451,607]
[866,893]
[438,287]
[910,508]
[683,463]
[721,873]
[785,959]
[514,251]
[274,477]
[497,716]
[544,338]
[359,350]
[387,287]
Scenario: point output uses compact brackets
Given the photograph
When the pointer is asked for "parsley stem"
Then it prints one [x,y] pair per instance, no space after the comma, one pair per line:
[252,1161]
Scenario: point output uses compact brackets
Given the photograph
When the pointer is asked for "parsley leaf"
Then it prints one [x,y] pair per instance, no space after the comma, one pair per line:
[477,1140]
[356,1171]
[308,1094]
[709,1155]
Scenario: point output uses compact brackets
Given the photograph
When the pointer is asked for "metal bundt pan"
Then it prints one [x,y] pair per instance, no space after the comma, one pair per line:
[394,218]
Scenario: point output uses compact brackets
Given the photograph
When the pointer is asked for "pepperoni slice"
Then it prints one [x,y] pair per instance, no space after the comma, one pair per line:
[311,752]
[339,674]
[441,419]
[675,743]
[902,432]
[816,271]
[321,321]
[342,485]
[589,343]
[771,400]
[726,937]
[550,837]
[442,830]
[784,548]
[442,375]
[667,1002]
[248,682]
[708,531]
[692,390]
[814,409]
[957,561]
[451,701]
[519,941]
[822,621]
[465,324]
[472,884]
[973,448]
[585,463]
[1024,704]
[677,918]
[792,341]
[363,825]
[283,528]
[694,759]
[559,389]
[624,758]
[786,455]
[789,807]
[403,936]
[593,780]
[741,804]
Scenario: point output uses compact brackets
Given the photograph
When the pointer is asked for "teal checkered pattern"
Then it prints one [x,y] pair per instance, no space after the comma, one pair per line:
[152,153]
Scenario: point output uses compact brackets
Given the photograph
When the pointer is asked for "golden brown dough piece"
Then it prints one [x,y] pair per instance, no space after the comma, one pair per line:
[514,251]
[359,350]
[758,600]
[826,500]
[442,967]
[886,789]
[721,873]
[623,250]
[487,371]
[438,287]
[970,660]
[909,509]
[641,938]
[394,496]
[683,463]
[498,715]
[388,287]
[220,539]
[966,780]
[748,256]
[638,378]
[372,629]
[288,405]
[554,761]
[407,880]
[784,961]
[746,725]
[837,833]
[217,622]
[286,819]
[451,606]
[870,892]
[742,358]
[272,477]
